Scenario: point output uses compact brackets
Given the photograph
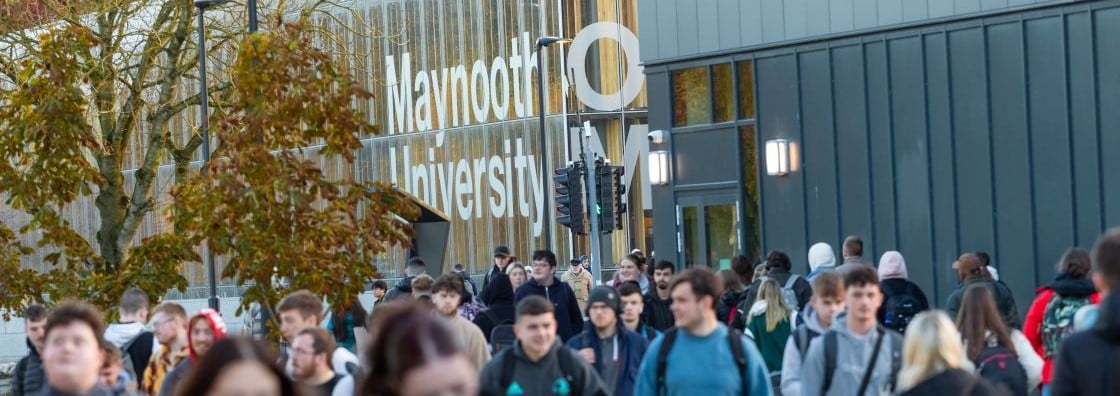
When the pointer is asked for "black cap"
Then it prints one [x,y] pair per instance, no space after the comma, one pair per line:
[604,294]
[502,251]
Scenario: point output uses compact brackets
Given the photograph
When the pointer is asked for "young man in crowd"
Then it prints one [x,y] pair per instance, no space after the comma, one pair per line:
[537,364]
[544,283]
[826,303]
[852,250]
[312,348]
[379,289]
[502,258]
[301,310]
[971,271]
[422,289]
[447,294]
[72,356]
[204,329]
[112,374]
[580,282]
[630,294]
[853,341]
[130,336]
[1086,361]
[29,376]
[169,320]
[403,289]
[614,351]
[702,356]
[657,313]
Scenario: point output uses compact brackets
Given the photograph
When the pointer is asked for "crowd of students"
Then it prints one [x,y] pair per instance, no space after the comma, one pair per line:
[848,329]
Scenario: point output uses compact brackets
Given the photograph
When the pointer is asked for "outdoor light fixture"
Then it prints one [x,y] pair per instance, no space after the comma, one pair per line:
[659,167]
[777,157]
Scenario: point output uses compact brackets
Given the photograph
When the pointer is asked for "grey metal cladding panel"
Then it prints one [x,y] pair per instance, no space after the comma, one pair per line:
[648,39]
[667,26]
[988,5]
[1107,24]
[773,21]
[730,27]
[688,30]
[970,124]
[819,147]
[783,197]
[890,12]
[713,144]
[708,24]
[817,17]
[1011,157]
[865,14]
[851,146]
[795,14]
[911,155]
[750,16]
[965,6]
[841,15]
[1050,140]
[1083,123]
[941,163]
[881,142]
[940,8]
[915,10]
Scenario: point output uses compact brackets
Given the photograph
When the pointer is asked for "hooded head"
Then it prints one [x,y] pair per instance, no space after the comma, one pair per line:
[199,343]
[501,290]
[821,254]
[892,265]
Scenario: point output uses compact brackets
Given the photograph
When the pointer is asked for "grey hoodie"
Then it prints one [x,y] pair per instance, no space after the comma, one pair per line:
[853,355]
[791,359]
[121,333]
[543,377]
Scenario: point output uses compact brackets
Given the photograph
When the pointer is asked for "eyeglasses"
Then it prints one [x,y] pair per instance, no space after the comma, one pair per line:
[541,265]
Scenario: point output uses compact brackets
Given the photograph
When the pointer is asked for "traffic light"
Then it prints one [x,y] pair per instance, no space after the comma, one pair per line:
[612,193]
[569,197]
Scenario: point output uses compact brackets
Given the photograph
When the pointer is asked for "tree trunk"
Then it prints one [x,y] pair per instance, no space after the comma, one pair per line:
[111,205]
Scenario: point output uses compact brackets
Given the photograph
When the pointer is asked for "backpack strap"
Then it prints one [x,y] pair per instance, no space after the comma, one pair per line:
[830,346]
[735,338]
[896,358]
[801,340]
[508,366]
[792,279]
[663,357]
[568,366]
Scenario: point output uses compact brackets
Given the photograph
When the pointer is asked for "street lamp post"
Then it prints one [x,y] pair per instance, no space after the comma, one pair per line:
[204,128]
[252,6]
[546,213]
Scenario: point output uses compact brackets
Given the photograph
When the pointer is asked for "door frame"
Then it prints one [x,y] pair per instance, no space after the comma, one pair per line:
[702,200]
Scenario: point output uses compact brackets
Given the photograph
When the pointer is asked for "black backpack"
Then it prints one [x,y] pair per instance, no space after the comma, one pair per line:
[1001,367]
[899,310]
[735,338]
[128,361]
[501,337]
[568,366]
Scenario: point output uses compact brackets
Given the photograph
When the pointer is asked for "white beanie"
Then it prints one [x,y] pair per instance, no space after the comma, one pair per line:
[821,254]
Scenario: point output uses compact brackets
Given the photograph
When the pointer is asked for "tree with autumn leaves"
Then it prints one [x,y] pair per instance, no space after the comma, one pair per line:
[74,94]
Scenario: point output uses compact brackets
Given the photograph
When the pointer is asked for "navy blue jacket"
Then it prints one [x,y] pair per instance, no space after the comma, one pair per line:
[631,348]
[569,320]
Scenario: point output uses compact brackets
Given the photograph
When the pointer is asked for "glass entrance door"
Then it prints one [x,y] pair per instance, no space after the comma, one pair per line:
[708,233]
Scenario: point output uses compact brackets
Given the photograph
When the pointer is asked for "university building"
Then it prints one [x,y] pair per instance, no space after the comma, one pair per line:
[925,126]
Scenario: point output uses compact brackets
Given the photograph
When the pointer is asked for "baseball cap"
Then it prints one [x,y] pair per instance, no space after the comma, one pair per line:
[968,263]
[502,251]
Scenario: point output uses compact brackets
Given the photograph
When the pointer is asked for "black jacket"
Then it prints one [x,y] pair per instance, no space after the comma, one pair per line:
[1088,362]
[30,377]
[1005,301]
[569,320]
[728,301]
[899,286]
[499,305]
[656,313]
[402,290]
[953,382]
[802,288]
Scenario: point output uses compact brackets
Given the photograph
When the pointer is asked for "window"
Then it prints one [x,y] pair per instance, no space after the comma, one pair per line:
[692,102]
[724,92]
[746,89]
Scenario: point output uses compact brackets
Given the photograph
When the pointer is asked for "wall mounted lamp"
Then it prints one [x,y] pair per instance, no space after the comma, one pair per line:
[778,153]
[659,167]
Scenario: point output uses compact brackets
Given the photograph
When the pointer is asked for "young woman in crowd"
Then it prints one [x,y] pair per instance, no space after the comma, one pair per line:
[991,346]
[933,360]
[518,274]
[415,353]
[235,367]
[770,324]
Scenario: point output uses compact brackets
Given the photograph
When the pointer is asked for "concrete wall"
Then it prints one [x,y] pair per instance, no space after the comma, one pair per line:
[680,29]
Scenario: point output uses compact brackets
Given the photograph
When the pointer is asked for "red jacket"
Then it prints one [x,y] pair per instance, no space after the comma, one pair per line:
[1032,328]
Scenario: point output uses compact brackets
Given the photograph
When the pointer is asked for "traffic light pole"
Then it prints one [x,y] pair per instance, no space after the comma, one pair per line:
[592,203]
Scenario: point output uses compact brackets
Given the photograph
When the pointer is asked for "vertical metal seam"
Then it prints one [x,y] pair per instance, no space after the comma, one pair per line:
[1069,128]
[891,141]
[1030,144]
[801,147]
[836,155]
[929,170]
[1097,116]
[867,141]
[953,148]
[758,169]
[991,141]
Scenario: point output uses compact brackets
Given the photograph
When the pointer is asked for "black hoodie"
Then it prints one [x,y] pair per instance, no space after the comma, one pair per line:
[403,290]
[1087,362]
[727,302]
[499,305]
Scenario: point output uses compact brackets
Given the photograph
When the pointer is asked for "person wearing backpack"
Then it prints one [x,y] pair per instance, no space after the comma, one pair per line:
[701,356]
[971,271]
[129,335]
[856,356]
[795,289]
[1051,316]
[499,306]
[770,323]
[606,343]
[902,299]
[727,310]
[537,364]
[934,362]
[827,302]
[1000,355]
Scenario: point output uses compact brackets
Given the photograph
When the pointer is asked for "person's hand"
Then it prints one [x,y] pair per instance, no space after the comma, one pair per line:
[588,355]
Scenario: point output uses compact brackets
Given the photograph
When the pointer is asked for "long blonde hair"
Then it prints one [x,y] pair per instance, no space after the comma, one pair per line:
[776,309]
[932,345]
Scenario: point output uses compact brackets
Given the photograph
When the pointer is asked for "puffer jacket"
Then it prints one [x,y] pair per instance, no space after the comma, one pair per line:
[30,377]
[401,291]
